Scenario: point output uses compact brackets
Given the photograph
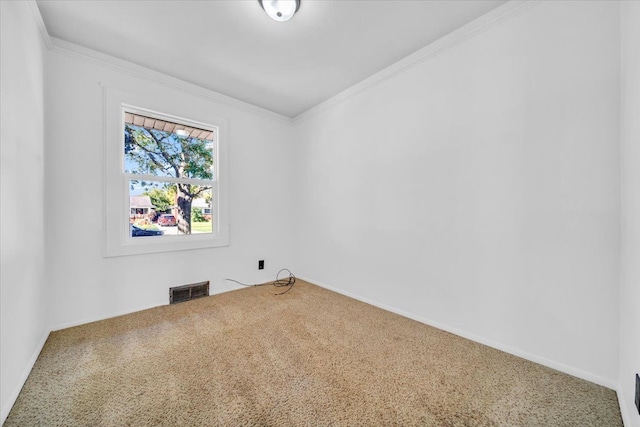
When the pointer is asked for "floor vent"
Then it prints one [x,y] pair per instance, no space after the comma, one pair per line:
[188,292]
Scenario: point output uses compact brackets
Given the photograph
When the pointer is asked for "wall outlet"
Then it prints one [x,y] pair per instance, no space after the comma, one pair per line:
[261,264]
[638,393]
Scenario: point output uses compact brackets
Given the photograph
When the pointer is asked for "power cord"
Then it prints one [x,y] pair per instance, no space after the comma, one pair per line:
[287,282]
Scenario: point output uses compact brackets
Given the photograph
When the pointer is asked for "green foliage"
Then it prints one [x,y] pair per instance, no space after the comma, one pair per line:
[160,198]
[160,153]
[172,192]
[196,215]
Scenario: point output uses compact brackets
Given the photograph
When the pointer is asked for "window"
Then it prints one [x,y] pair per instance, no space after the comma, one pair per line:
[172,176]
[165,178]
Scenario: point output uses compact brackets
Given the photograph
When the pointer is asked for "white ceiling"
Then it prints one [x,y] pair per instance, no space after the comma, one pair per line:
[233,47]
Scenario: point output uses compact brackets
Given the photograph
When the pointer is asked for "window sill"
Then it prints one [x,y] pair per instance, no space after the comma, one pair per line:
[151,244]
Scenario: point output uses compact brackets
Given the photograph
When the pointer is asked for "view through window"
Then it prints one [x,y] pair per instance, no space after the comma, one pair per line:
[171,172]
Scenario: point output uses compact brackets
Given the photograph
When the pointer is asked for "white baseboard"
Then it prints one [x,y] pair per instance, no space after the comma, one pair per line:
[103,317]
[499,346]
[124,312]
[128,311]
[25,374]
[623,407]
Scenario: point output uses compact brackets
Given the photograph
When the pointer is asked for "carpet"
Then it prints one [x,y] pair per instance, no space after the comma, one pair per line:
[310,357]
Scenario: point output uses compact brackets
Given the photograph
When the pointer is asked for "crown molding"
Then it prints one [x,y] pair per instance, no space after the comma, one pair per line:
[82,53]
[494,18]
[54,44]
[40,23]
[474,28]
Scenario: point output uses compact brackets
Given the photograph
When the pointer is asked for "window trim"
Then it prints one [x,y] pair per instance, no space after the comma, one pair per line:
[118,241]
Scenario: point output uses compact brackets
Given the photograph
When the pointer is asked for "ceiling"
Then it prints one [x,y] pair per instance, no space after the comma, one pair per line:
[234,48]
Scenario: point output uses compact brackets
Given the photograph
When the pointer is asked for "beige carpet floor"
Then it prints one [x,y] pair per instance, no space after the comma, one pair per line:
[310,357]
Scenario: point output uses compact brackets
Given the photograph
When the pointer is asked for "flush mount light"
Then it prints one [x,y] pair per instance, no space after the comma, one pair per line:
[280,10]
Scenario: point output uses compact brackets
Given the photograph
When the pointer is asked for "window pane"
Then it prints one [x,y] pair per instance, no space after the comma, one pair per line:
[181,153]
[141,213]
[201,214]
[169,209]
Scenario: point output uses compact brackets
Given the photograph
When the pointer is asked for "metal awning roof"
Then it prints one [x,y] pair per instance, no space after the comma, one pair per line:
[151,123]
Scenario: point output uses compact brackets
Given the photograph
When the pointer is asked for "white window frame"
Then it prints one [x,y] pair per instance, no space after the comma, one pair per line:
[118,240]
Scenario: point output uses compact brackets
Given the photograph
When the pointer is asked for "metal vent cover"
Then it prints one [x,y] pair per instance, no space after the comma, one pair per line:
[188,292]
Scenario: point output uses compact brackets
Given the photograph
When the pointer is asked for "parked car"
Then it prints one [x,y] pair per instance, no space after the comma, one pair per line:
[167,220]
[142,232]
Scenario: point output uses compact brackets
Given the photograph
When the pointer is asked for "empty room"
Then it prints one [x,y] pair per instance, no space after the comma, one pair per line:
[320,212]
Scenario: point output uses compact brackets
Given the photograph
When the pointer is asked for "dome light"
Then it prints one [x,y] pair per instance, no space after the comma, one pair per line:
[280,10]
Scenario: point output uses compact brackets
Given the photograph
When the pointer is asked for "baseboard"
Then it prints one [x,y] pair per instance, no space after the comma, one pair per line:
[623,406]
[102,317]
[25,374]
[122,313]
[498,346]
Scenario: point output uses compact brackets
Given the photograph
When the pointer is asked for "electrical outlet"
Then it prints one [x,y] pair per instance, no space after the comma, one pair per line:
[638,393]
[261,264]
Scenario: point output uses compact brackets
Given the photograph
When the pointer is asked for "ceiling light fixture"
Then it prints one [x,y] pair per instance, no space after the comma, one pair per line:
[280,10]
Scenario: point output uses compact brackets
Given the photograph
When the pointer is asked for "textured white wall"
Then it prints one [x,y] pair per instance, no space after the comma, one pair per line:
[22,281]
[479,190]
[630,152]
[89,286]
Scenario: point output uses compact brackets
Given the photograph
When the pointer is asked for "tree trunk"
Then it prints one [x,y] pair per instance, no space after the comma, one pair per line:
[184,211]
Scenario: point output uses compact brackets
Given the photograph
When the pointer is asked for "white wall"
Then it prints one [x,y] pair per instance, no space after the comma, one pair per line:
[22,281]
[89,286]
[479,189]
[630,154]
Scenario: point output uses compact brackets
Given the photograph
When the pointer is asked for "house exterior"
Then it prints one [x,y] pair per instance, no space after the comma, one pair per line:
[140,207]
[202,206]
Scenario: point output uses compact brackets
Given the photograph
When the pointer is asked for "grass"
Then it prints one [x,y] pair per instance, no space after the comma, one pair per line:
[201,227]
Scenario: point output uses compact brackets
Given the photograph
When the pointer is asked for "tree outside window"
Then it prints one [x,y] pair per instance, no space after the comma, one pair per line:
[171,163]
